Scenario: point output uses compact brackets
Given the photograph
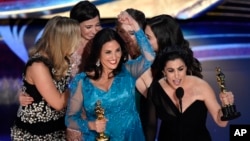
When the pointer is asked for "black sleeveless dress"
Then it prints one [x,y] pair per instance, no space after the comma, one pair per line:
[175,126]
[39,121]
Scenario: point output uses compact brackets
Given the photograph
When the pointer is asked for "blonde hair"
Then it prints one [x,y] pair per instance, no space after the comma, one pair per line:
[60,39]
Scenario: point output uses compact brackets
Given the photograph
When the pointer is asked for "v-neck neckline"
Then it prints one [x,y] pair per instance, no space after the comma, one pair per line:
[172,103]
[100,89]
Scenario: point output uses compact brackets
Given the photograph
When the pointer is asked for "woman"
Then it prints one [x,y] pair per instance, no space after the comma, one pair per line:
[45,79]
[144,61]
[127,33]
[106,79]
[133,44]
[186,121]
[162,31]
[88,16]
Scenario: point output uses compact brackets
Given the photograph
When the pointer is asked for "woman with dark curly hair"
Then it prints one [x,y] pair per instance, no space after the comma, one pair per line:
[180,101]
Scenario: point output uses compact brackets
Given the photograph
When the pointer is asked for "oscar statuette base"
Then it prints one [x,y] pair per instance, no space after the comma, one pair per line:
[229,113]
[102,137]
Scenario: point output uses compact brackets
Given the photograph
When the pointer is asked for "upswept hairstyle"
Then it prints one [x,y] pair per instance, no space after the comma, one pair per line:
[168,54]
[83,11]
[168,33]
[103,36]
[60,38]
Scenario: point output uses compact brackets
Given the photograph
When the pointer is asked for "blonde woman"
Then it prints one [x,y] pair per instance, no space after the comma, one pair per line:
[45,79]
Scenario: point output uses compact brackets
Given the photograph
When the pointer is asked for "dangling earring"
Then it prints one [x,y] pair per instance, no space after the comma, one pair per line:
[97,63]
[164,76]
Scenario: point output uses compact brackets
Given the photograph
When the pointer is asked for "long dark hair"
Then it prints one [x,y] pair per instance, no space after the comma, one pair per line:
[168,33]
[103,36]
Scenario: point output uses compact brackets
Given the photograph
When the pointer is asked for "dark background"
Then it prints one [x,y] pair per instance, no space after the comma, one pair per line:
[217,41]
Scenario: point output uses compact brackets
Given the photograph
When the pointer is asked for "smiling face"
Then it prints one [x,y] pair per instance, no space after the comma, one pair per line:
[110,55]
[89,28]
[175,72]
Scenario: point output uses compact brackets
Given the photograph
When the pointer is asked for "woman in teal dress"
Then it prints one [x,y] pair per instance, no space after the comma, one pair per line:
[109,78]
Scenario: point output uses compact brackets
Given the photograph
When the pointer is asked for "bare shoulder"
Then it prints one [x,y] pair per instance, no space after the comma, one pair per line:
[38,67]
[196,80]
[39,64]
[200,85]
[36,71]
[147,77]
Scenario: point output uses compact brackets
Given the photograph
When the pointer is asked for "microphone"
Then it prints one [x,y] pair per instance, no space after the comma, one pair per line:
[179,93]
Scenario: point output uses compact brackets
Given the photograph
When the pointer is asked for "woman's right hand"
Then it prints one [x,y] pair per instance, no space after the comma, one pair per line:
[98,125]
[25,99]
[125,18]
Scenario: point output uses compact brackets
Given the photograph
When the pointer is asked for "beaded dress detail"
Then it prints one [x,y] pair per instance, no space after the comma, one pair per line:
[39,121]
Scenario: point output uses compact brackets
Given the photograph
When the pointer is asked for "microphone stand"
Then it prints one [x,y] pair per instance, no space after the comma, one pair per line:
[180,102]
[180,119]
[179,93]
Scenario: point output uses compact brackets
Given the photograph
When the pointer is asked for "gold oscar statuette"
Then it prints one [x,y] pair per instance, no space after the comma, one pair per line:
[229,111]
[100,115]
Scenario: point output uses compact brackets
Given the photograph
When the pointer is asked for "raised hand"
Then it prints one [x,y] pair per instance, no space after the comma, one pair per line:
[125,18]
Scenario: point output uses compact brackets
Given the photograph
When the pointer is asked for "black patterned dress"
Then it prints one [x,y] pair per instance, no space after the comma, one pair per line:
[39,121]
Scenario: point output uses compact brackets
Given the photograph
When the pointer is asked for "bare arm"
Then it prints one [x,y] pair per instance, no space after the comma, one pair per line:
[213,106]
[39,75]
[144,81]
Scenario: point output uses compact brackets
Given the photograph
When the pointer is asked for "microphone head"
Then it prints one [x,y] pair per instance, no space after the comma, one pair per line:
[179,92]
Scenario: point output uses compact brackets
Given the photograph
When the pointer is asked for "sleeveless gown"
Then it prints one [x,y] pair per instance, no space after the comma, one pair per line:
[39,121]
[175,126]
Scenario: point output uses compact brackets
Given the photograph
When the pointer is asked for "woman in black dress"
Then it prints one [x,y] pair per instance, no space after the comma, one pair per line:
[185,119]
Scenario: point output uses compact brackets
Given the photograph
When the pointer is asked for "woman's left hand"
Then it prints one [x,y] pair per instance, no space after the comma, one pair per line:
[25,99]
[226,98]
